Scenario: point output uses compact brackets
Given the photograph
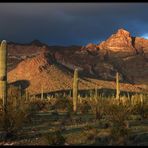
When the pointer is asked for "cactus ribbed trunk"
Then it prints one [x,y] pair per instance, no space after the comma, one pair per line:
[26,95]
[70,94]
[96,95]
[117,86]
[75,90]
[3,73]
[20,93]
[42,94]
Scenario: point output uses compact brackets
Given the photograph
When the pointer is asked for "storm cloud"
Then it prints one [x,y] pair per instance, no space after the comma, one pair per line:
[70,23]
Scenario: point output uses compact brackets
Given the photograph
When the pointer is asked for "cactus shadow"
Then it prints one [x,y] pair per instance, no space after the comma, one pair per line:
[24,83]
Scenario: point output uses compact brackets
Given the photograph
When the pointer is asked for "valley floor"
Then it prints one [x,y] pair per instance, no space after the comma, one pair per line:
[78,130]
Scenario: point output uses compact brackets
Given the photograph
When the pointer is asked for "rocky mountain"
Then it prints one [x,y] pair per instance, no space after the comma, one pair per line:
[122,44]
[53,65]
[121,41]
[120,52]
[128,54]
[38,71]
[44,73]
[18,52]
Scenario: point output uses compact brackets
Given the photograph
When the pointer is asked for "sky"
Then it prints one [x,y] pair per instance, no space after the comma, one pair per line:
[70,23]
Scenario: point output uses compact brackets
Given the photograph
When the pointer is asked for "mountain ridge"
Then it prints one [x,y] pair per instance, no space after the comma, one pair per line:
[120,52]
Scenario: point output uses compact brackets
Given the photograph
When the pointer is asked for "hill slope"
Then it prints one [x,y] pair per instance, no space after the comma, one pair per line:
[43,71]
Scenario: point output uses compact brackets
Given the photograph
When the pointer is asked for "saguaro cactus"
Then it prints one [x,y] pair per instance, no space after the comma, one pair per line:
[42,92]
[3,73]
[75,90]
[117,86]
[26,95]
[20,92]
[96,95]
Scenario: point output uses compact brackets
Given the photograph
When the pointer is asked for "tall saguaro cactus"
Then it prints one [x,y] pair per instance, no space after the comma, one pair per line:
[3,73]
[75,90]
[117,86]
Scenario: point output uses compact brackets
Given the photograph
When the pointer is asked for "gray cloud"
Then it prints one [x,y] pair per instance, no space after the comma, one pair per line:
[70,23]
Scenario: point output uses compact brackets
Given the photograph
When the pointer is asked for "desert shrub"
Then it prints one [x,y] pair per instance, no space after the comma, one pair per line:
[13,119]
[55,138]
[52,100]
[62,126]
[141,110]
[84,107]
[89,132]
[95,137]
[12,123]
[13,91]
[119,136]
[104,124]
[87,127]
[33,107]
[64,104]
[55,114]
[39,105]
[140,106]
[76,119]
[71,117]
[118,115]
[97,107]
[60,103]
[92,134]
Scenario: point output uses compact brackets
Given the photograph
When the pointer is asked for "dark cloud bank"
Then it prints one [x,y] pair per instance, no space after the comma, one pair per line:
[70,23]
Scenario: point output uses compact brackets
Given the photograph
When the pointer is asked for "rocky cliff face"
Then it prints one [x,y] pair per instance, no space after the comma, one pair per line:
[40,71]
[120,52]
[120,44]
[141,45]
[121,39]
[123,42]
[44,72]
[18,52]
[126,54]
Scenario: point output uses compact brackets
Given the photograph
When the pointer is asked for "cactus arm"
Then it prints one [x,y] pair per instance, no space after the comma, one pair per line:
[42,92]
